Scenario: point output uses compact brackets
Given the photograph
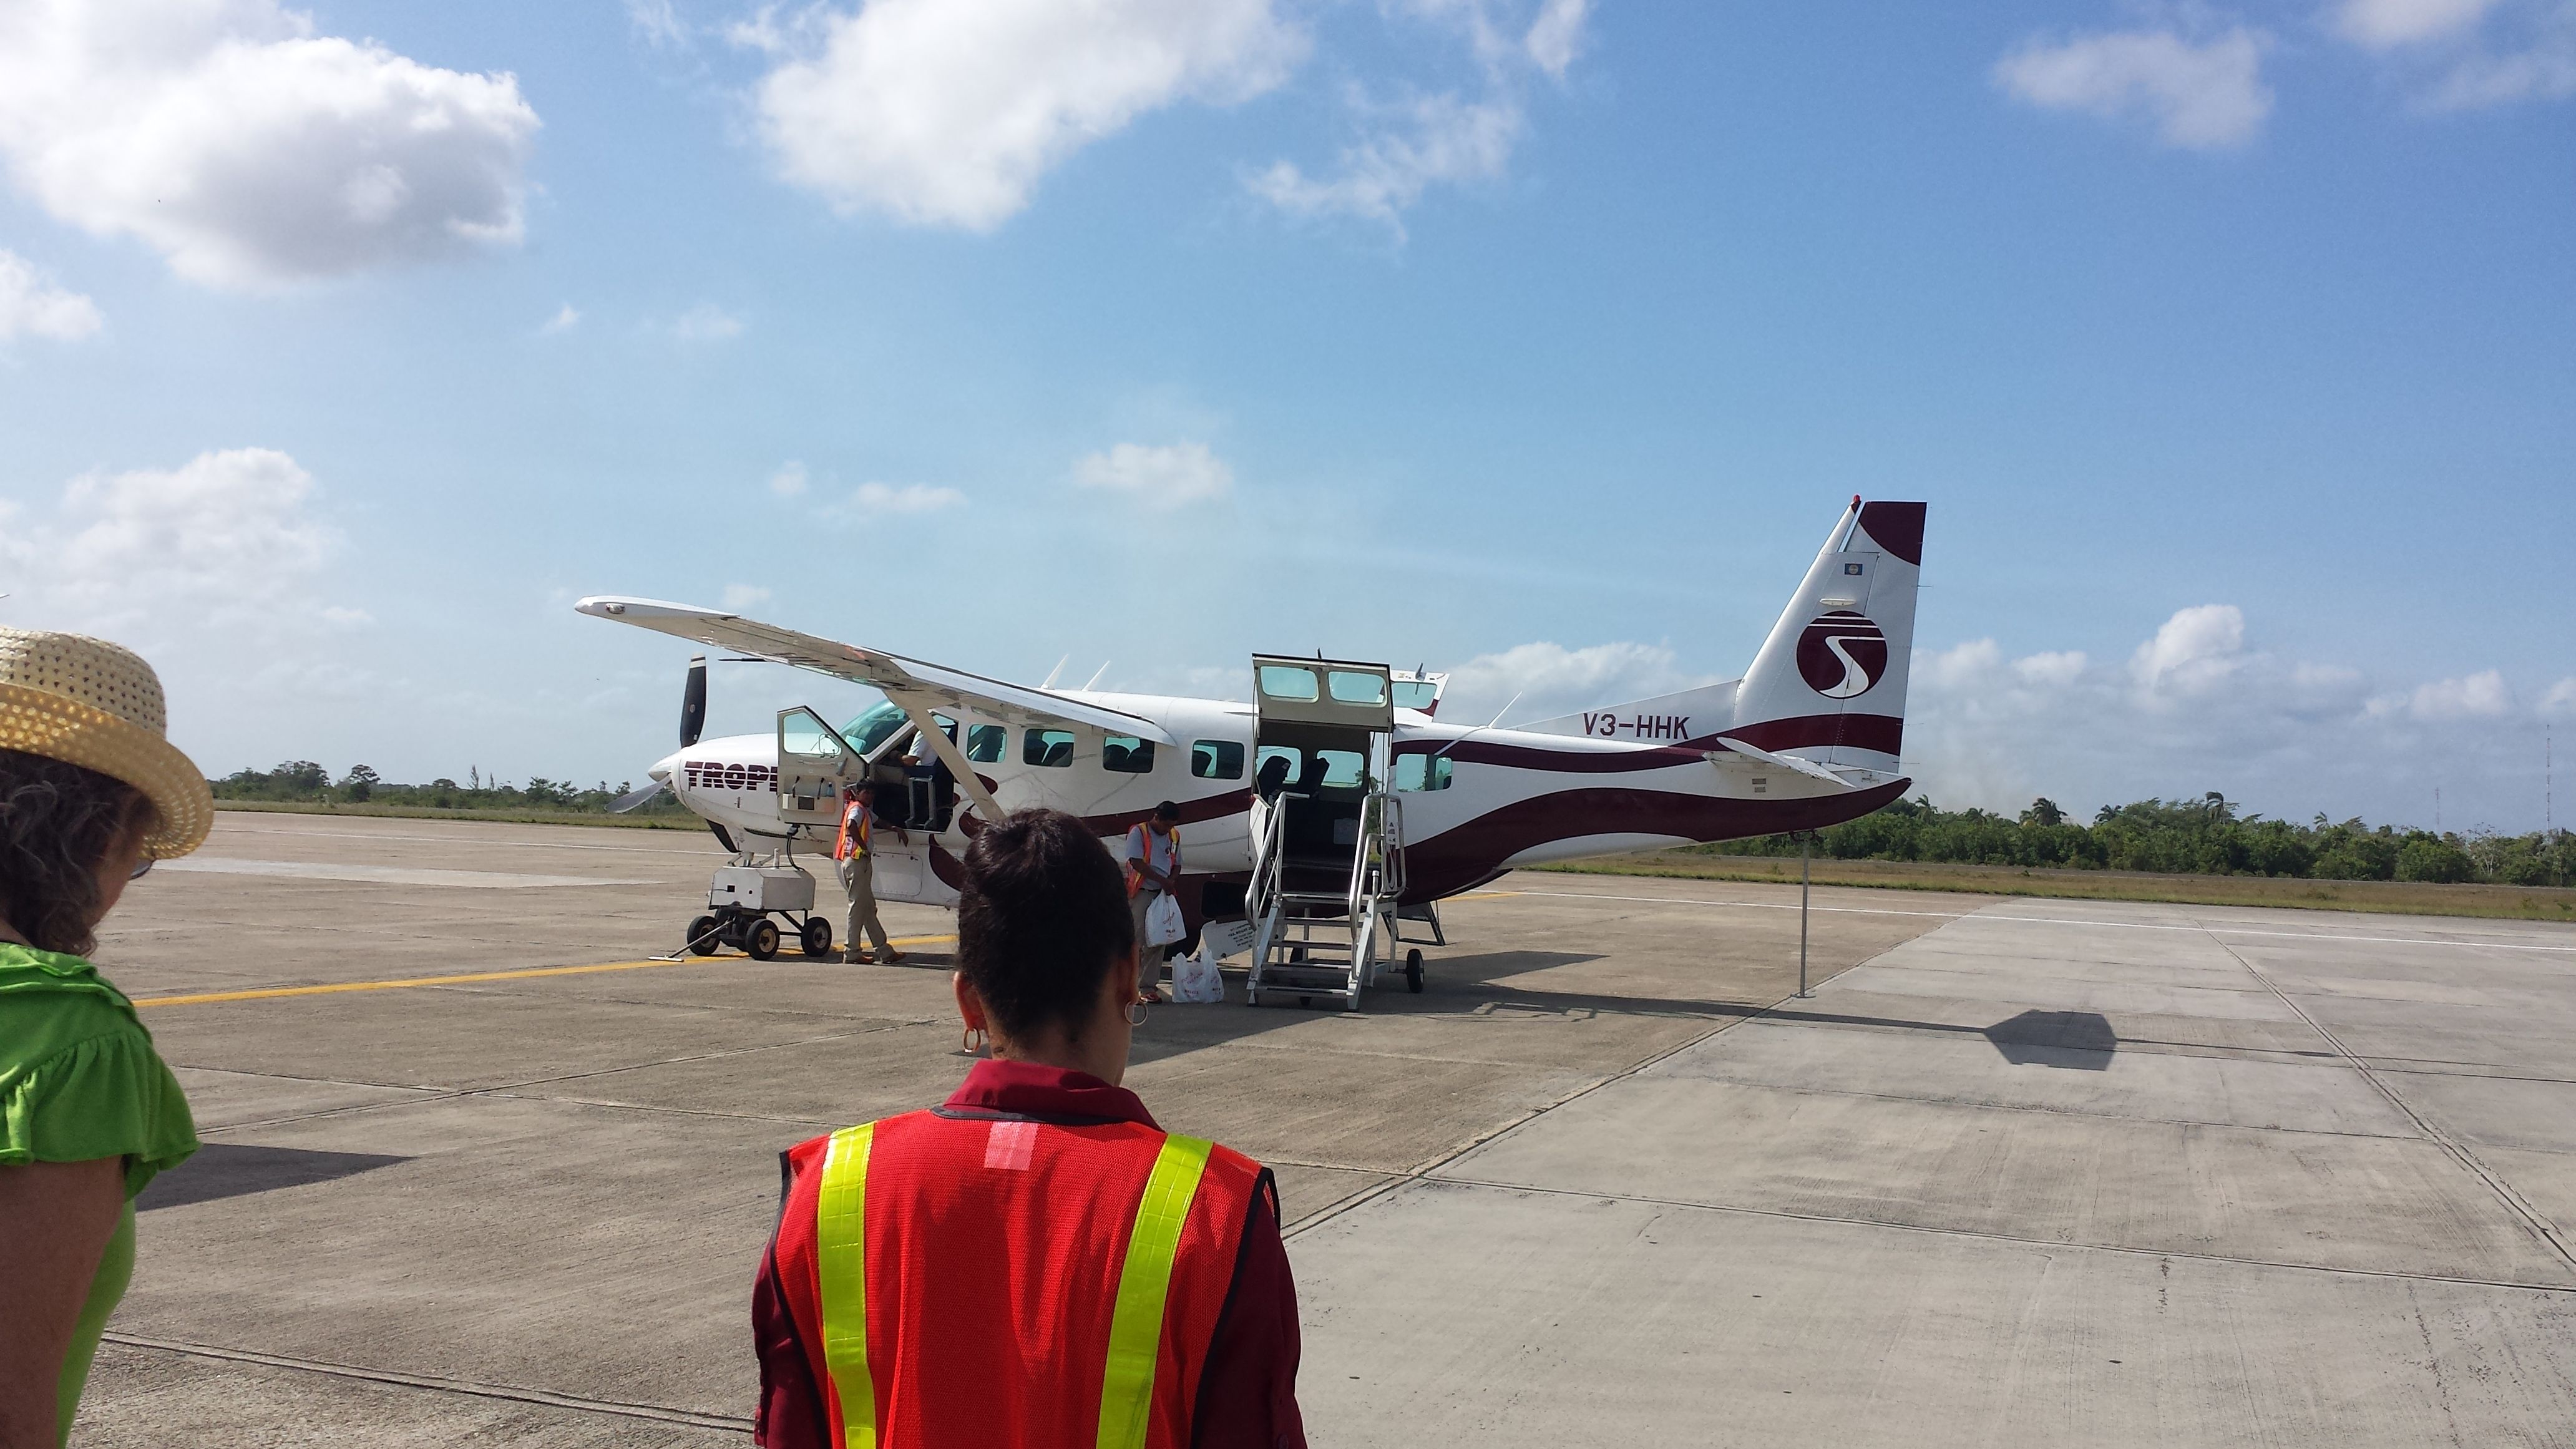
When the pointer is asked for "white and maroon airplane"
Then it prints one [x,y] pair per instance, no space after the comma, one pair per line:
[1810,736]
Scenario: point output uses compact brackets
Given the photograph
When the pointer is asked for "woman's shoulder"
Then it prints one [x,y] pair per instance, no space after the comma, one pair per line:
[46,994]
[79,1076]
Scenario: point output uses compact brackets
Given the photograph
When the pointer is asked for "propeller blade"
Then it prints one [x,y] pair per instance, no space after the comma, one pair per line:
[693,702]
[637,799]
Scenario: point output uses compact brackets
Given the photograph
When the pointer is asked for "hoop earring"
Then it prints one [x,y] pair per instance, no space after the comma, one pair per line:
[1137,1011]
[973,1040]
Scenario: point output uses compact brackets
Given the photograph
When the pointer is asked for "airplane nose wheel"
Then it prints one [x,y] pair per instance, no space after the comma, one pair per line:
[1413,971]
[704,936]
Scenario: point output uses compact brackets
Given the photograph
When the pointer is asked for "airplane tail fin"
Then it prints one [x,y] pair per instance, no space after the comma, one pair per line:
[1829,683]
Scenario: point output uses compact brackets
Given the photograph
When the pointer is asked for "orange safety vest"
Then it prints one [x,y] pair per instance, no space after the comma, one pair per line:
[1135,873]
[856,812]
[977,1281]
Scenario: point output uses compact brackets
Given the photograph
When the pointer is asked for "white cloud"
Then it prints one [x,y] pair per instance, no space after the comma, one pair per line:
[564,320]
[1437,138]
[248,150]
[790,481]
[1408,146]
[873,498]
[738,597]
[2476,696]
[1556,37]
[1542,680]
[2194,651]
[706,322]
[2202,95]
[2561,698]
[2382,24]
[1166,477]
[659,22]
[224,538]
[32,305]
[2201,705]
[947,112]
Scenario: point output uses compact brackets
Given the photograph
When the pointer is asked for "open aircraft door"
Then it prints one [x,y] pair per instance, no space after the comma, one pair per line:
[814,762]
[1328,849]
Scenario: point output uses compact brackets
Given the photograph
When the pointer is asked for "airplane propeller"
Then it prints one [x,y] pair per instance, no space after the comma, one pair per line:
[693,723]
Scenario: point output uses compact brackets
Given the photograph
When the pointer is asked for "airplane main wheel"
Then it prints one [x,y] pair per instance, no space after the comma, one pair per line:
[762,939]
[1413,971]
[703,936]
[816,938]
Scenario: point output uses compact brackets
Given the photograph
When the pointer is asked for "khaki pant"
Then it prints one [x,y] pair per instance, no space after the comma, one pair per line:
[858,877]
[1149,959]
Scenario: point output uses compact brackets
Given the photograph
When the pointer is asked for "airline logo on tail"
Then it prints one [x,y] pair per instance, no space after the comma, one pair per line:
[1842,655]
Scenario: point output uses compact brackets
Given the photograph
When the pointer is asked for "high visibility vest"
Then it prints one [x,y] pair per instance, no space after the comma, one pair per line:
[853,814]
[980,1282]
[1135,875]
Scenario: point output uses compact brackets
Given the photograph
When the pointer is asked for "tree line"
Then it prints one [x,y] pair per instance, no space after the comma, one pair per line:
[306,782]
[2207,836]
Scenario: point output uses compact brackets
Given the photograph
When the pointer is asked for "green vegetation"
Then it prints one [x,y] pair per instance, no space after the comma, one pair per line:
[2194,837]
[302,784]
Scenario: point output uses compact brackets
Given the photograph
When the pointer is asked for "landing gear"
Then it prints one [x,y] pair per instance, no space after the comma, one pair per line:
[1413,971]
[816,938]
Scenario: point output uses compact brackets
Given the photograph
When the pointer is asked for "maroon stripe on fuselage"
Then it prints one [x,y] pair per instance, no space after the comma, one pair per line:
[1460,858]
[1881,732]
[1561,762]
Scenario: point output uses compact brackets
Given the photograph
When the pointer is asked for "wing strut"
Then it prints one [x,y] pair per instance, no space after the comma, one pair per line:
[946,749]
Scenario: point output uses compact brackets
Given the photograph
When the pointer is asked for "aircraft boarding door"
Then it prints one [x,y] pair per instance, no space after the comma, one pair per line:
[813,763]
[1329,861]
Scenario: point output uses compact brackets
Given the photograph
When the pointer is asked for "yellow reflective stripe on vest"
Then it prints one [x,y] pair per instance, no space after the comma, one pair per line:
[841,1272]
[1136,1332]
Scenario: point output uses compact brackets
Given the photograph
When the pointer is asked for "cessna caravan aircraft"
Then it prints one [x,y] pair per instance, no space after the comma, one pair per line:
[1323,819]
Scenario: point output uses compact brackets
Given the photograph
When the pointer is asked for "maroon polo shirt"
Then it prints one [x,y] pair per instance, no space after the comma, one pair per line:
[1248,1389]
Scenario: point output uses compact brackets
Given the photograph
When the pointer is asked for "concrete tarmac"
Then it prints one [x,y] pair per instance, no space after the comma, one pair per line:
[2019,1172]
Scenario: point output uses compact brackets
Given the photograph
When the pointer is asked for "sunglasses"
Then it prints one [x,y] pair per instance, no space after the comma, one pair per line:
[142,870]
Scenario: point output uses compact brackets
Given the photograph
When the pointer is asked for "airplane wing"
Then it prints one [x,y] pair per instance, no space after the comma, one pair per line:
[908,682]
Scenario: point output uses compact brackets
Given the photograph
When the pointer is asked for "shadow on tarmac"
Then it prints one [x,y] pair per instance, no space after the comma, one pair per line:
[234,1169]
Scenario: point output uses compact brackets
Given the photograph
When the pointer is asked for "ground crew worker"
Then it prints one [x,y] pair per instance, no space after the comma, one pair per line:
[858,873]
[1153,868]
[1034,1262]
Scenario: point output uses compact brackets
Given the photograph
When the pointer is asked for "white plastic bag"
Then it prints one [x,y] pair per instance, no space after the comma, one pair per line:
[1195,978]
[1163,923]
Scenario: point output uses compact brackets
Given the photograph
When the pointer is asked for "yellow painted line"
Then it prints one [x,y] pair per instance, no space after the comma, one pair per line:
[333,988]
[1483,895]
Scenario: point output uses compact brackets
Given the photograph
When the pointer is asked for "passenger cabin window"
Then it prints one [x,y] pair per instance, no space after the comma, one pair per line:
[1422,772]
[1052,748]
[1216,760]
[985,743]
[1287,681]
[1343,767]
[1287,765]
[1127,754]
[1353,686]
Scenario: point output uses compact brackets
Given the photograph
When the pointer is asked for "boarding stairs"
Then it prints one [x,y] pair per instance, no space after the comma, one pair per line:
[1318,939]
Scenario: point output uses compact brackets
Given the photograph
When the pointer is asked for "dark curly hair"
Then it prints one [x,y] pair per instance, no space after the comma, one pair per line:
[1041,921]
[57,822]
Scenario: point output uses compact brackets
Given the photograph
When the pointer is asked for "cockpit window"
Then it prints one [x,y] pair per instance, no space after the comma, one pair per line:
[871,729]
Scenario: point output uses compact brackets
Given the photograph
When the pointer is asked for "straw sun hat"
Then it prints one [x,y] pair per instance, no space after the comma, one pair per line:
[90,703]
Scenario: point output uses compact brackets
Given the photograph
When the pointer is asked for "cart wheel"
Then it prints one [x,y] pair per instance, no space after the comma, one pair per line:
[762,939]
[816,938]
[703,936]
[1413,971]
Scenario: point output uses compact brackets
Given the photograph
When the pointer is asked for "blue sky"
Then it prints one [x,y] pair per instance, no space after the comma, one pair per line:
[2233,346]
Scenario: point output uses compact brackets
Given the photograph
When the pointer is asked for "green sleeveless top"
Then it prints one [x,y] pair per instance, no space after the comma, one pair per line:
[79,1080]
